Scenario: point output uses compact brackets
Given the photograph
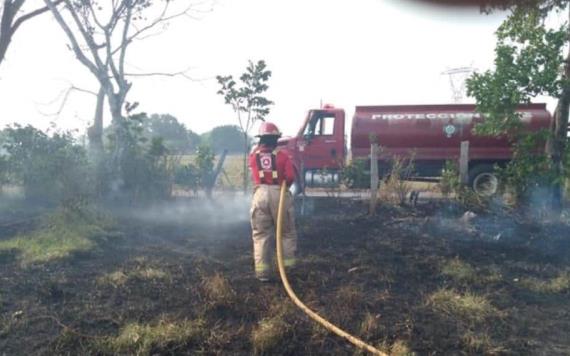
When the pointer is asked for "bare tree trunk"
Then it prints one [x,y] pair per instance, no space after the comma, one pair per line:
[95,132]
[9,11]
[245,155]
[119,129]
[95,135]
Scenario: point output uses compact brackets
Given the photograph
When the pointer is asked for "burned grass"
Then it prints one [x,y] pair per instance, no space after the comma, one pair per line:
[402,280]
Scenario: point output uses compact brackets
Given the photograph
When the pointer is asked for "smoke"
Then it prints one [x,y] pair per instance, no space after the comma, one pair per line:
[222,210]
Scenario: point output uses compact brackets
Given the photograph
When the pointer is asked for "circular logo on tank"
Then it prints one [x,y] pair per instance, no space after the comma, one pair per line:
[449,130]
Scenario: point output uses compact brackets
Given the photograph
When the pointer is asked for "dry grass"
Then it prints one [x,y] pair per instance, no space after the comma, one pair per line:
[119,278]
[347,302]
[268,334]
[459,270]
[481,343]
[398,348]
[555,285]
[369,325]
[464,273]
[149,273]
[141,339]
[397,188]
[218,290]
[467,306]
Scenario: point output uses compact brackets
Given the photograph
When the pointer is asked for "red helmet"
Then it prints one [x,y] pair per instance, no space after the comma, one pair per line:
[268,129]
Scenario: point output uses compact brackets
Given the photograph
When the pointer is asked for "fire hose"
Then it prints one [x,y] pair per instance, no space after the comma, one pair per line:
[325,323]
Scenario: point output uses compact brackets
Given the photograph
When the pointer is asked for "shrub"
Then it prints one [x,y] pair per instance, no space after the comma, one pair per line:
[142,171]
[397,186]
[353,174]
[51,169]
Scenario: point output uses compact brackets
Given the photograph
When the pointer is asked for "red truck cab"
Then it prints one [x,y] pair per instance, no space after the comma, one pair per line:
[319,149]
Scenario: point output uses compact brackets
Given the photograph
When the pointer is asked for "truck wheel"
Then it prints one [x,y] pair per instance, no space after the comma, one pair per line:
[483,180]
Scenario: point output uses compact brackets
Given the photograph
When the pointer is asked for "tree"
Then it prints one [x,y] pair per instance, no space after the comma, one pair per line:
[529,62]
[175,135]
[11,19]
[226,137]
[100,36]
[247,101]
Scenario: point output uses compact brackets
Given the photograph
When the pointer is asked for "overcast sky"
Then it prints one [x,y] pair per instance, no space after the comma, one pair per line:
[344,52]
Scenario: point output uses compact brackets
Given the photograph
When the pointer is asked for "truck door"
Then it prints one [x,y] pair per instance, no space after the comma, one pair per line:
[323,140]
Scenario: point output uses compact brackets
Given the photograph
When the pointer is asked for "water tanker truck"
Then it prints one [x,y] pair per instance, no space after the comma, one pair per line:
[431,134]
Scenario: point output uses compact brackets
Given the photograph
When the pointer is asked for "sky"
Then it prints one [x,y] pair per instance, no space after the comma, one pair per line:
[342,52]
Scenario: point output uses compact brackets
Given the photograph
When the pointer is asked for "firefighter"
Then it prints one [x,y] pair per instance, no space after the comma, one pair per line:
[269,167]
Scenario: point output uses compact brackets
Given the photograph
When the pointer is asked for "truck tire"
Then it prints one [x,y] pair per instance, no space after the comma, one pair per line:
[483,180]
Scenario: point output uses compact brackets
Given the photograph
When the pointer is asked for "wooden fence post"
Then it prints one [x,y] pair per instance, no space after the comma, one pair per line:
[464,163]
[373,177]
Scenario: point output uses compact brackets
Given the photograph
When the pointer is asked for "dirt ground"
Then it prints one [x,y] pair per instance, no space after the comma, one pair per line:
[409,280]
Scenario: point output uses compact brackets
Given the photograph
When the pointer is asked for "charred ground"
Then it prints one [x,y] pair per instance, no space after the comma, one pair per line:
[408,280]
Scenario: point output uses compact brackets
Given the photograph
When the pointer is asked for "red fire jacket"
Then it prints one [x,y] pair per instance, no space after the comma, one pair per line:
[270,166]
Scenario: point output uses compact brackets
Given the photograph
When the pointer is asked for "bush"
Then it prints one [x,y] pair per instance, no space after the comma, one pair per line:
[142,172]
[200,173]
[51,169]
[187,176]
[450,183]
[397,186]
[353,175]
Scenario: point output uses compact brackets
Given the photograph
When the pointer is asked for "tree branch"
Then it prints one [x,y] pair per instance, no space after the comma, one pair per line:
[65,93]
[74,43]
[32,14]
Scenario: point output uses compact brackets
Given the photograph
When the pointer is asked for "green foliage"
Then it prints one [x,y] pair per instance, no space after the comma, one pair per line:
[204,161]
[176,137]
[247,101]
[145,173]
[199,174]
[187,177]
[353,175]
[526,172]
[226,137]
[529,62]
[450,184]
[3,171]
[60,234]
[51,169]
[528,59]
[248,97]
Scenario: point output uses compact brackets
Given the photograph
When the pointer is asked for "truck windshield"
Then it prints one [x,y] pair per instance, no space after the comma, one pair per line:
[320,125]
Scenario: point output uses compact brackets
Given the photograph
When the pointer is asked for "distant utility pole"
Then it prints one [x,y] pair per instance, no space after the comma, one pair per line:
[457,78]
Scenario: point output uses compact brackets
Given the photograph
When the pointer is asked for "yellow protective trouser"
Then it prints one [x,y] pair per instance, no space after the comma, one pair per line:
[263,221]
